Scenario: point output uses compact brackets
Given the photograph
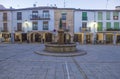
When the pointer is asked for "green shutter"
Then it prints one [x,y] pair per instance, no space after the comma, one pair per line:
[100,26]
[107,15]
[108,25]
[115,14]
[100,16]
[84,15]
[116,25]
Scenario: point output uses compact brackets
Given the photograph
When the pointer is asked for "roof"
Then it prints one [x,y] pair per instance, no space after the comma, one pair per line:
[55,8]
[96,10]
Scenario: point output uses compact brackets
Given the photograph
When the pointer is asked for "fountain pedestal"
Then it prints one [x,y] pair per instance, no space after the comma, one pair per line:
[60,36]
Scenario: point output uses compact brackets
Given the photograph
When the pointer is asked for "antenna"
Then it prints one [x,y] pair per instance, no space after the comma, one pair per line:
[107,4]
[64,4]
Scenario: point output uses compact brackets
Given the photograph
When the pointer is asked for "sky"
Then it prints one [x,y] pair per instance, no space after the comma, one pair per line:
[82,4]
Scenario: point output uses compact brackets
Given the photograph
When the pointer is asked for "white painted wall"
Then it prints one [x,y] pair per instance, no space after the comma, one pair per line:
[26,16]
[78,20]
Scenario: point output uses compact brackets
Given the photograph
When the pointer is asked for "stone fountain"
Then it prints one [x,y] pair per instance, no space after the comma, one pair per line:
[60,46]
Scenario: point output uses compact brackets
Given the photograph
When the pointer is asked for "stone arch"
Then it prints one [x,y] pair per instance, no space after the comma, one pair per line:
[35,36]
[48,37]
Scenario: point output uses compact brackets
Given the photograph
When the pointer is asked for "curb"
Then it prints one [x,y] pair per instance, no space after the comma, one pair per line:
[77,53]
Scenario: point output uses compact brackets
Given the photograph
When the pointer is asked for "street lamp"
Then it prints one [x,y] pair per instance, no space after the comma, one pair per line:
[26,25]
[94,33]
[12,29]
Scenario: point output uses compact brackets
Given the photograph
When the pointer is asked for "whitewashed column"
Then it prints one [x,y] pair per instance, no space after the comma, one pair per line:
[84,37]
[104,37]
[114,38]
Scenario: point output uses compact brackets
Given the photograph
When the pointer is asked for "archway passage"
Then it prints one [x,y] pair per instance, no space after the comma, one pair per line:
[118,39]
[109,38]
[24,37]
[88,39]
[37,37]
[48,37]
[34,37]
[6,37]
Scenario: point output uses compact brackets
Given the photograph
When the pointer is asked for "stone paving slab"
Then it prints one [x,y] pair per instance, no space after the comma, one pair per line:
[17,61]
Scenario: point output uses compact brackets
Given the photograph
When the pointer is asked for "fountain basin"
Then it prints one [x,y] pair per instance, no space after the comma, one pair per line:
[59,48]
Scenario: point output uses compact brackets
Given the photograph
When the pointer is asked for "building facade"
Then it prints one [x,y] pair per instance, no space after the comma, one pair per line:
[97,26]
[67,17]
[40,24]
[29,24]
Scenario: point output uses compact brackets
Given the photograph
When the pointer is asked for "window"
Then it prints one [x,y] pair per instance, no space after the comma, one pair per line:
[64,16]
[84,24]
[19,26]
[34,14]
[19,15]
[100,17]
[4,16]
[45,25]
[108,25]
[100,26]
[84,15]
[35,25]
[107,15]
[115,15]
[116,25]
[46,14]
[5,28]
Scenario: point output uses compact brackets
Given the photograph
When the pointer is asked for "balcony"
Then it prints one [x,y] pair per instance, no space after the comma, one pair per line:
[18,30]
[112,29]
[39,17]
[87,29]
[4,30]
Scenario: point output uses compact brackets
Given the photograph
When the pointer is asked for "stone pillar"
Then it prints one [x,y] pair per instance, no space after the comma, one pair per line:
[93,38]
[84,38]
[29,37]
[104,38]
[60,36]
[21,37]
[33,37]
[114,38]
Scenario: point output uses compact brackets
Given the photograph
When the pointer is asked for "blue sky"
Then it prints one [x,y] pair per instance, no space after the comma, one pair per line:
[83,4]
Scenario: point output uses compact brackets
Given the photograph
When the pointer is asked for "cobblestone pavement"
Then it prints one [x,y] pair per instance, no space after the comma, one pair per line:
[17,61]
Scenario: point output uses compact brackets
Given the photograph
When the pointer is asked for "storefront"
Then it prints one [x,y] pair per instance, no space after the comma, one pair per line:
[18,37]
[5,37]
[39,36]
